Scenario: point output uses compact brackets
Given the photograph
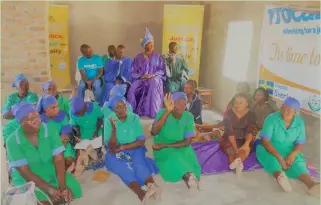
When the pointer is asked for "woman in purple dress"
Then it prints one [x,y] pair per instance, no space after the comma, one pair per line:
[148,72]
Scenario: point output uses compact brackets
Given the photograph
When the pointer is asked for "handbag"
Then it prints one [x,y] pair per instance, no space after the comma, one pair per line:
[73,135]
[23,195]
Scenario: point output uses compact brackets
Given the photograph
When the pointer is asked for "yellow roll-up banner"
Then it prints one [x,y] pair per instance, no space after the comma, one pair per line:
[59,45]
[184,24]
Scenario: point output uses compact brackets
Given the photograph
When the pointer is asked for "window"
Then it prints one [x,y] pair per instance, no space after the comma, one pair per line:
[237,51]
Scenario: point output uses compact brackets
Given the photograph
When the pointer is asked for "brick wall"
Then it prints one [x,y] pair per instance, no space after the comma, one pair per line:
[24,49]
[24,44]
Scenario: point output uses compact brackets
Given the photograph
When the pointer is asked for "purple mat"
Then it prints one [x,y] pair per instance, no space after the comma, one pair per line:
[214,161]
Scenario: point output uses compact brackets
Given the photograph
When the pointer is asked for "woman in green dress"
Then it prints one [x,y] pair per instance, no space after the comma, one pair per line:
[50,88]
[35,153]
[117,90]
[125,140]
[173,130]
[87,116]
[280,151]
[22,95]
[52,116]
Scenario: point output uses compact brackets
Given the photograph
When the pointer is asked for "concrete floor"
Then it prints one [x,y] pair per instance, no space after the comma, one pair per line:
[254,188]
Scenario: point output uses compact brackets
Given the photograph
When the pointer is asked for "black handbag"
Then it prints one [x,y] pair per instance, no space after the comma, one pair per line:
[73,135]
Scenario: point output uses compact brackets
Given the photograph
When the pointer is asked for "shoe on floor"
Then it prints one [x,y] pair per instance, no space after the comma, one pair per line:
[284,183]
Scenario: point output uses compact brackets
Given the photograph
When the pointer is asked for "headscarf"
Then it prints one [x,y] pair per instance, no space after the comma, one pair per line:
[179,95]
[77,103]
[46,85]
[44,102]
[65,130]
[148,38]
[18,79]
[22,109]
[114,100]
[118,90]
[293,103]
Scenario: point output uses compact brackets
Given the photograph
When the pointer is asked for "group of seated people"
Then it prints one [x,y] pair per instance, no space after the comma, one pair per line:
[40,134]
[39,148]
[144,77]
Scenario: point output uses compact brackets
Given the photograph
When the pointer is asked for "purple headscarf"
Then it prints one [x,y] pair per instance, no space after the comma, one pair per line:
[76,104]
[112,102]
[18,79]
[45,85]
[65,130]
[22,109]
[44,102]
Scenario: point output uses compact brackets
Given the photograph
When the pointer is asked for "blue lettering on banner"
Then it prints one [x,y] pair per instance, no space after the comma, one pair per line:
[280,91]
[287,15]
[270,87]
[302,31]
[262,83]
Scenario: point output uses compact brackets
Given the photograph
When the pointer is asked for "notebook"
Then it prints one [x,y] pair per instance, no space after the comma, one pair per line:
[96,143]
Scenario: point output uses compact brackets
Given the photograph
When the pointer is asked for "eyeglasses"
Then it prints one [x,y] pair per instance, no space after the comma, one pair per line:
[33,120]
[121,107]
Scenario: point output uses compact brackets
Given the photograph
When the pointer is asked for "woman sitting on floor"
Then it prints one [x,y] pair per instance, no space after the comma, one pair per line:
[239,125]
[50,88]
[87,116]
[216,131]
[126,156]
[241,87]
[261,106]
[35,153]
[55,118]
[173,130]
[22,95]
[87,119]
[283,137]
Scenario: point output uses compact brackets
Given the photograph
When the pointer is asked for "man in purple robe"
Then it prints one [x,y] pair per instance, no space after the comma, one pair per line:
[148,73]
[118,68]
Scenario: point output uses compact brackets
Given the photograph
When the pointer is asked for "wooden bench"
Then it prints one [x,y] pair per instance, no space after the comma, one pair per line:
[207,97]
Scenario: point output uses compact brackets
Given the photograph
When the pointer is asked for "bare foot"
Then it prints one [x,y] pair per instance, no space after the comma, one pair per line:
[314,190]
[71,167]
[83,157]
[150,194]
[92,153]
[79,170]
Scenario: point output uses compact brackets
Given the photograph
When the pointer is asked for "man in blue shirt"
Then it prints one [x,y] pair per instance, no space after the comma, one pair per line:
[91,68]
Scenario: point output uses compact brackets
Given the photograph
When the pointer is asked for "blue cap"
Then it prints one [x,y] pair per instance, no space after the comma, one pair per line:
[293,103]
[179,95]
